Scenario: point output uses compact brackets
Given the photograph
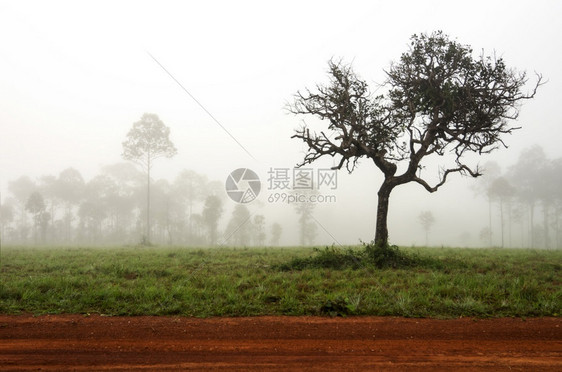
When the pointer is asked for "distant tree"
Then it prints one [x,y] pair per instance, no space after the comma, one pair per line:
[147,141]
[548,189]
[427,220]
[502,191]
[126,175]
[307,225]
[36,206]
[490,172]
[238,230]
[485,234]
[91,215]
[557,190]
[438,100]
[6,217]
[197,237]
[162,211]
[214,188]
[527,175]
[128,181]
[48,188]
[519,217]
[190,188]
[537,182]
[70,190]
[100,195]
[276,231]
[259,230]
[21,189]
[212,212]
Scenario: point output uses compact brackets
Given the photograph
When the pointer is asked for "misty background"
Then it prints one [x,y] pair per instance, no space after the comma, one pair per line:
[75,77]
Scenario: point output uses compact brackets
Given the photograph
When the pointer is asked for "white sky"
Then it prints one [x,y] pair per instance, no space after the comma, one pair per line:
[74,76]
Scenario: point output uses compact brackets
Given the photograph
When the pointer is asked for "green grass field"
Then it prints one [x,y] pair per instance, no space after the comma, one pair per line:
[246,282]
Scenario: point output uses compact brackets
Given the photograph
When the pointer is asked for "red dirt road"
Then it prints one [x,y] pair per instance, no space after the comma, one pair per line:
[75,342]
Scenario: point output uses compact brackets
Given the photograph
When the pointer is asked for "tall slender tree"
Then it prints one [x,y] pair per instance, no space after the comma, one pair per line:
[147,141]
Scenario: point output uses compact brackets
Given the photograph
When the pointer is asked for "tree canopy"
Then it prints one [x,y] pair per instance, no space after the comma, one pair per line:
[148,140]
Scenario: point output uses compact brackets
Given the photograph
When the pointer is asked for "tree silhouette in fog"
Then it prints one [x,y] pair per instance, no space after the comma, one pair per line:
[147,141]
[211,215]
[427,220]
[276,231]
[239,228]
[36,206]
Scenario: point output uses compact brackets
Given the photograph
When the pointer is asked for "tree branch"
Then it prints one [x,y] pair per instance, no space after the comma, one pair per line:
[462,169]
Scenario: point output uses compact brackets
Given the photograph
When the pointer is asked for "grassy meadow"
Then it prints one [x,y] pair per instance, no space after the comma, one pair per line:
[205,282]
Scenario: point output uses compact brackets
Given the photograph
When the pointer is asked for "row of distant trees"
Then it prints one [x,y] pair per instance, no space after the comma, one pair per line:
[524,202]
[524,209]
[124,205]
[110,209]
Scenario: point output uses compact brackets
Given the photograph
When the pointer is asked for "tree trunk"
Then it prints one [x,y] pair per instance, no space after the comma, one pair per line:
[381,232]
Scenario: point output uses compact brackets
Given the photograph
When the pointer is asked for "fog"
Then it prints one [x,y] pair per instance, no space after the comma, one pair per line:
[75,77]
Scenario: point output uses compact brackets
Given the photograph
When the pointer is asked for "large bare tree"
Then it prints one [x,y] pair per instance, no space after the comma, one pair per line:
[148,140]
[437,99]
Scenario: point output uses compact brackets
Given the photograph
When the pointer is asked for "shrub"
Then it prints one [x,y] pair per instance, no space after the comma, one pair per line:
[339,258]
[385,255]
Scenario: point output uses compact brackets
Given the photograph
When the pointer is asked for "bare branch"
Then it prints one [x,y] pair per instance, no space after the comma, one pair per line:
[462,169]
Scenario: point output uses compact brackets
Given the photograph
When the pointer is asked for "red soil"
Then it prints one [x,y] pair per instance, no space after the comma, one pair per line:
[75,342]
